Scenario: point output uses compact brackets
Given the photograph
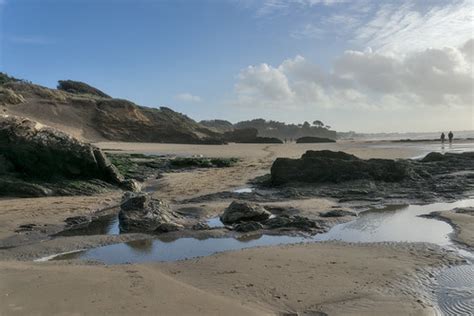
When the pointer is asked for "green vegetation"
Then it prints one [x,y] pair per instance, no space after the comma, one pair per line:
[198,162]
[140,166]
[4,78]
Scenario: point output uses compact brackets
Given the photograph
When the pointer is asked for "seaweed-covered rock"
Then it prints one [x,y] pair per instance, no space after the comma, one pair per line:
[243,212]
[139,212]
[329,166]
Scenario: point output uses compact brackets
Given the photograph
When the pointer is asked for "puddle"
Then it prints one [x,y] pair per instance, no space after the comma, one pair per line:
[243,190]
[180,249]
[389,224]
[215,222]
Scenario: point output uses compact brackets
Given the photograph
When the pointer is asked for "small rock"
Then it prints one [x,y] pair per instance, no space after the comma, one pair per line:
[244,211]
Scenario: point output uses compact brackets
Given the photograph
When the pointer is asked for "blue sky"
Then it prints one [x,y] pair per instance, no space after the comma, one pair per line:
[290,60]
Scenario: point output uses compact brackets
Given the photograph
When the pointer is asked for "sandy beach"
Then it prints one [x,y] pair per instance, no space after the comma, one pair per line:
[331,278]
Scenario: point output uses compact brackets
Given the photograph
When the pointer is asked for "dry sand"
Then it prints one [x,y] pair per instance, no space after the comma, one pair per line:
[331,277]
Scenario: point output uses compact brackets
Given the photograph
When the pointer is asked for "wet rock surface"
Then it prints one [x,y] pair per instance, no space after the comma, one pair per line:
[328,166]
[141,213]
[447,177]
[244,211]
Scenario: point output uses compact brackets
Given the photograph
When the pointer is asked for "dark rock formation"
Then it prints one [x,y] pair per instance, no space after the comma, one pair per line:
[78,87]
[338,213]
[36,160]
[295,222]
[249,136]
[246,227]
[243,212]
[433,156]
[41,152]
[312,139]
[141,213]
[328,166]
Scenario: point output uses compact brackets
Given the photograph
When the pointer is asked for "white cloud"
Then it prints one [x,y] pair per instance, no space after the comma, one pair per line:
[432,77]
[187,97]
[404,28]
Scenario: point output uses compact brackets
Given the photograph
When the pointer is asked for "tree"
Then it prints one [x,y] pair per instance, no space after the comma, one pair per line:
[318,123]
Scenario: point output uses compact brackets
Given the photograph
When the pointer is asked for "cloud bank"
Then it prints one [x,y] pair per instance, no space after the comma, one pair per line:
[430,77]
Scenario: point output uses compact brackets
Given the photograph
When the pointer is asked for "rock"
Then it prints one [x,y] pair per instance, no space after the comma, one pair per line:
[328,166]
[41,152]
[131,185]
[141,213]
[244,211]
[337,213]
[299,222]
[432,157]
[21,188]
[201,226]
[312,139]
[247,227]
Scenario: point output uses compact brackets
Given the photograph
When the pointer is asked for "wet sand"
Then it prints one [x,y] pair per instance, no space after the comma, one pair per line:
[463,224]
[337,278]
[330,277]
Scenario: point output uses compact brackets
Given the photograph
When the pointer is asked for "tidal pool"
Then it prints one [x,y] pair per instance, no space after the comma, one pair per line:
[454,291]
[390,224]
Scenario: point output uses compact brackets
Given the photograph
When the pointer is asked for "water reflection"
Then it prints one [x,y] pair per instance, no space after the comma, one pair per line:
[141,246]
[393,223]
[105,225]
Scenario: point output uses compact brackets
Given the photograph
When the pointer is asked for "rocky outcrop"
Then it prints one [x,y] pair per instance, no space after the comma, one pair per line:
[31,153]
[78,87]
[41,152]
[329,166]
[141,213]
[238,212]
[312,139]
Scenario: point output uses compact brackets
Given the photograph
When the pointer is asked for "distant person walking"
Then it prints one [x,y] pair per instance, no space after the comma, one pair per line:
[450,136]
[443,138]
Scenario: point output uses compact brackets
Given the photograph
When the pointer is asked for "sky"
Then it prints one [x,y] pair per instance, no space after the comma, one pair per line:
[365,65]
